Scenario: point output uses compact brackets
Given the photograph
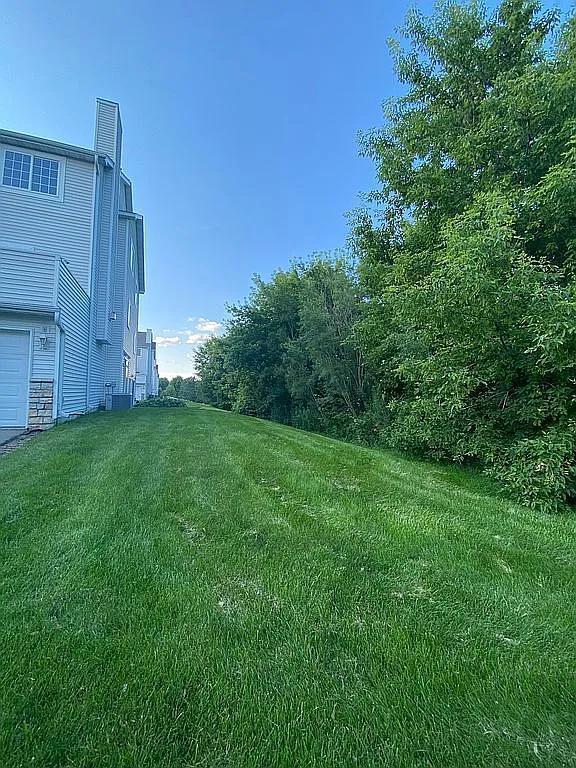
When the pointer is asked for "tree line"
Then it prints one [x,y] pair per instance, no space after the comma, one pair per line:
[447,325]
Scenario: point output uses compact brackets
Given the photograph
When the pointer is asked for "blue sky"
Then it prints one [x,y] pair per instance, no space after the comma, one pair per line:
[240,129]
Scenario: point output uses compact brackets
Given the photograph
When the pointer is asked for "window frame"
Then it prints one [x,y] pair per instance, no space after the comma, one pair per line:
[59,196]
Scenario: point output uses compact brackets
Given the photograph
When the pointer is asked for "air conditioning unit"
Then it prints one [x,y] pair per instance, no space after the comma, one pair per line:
[122,402]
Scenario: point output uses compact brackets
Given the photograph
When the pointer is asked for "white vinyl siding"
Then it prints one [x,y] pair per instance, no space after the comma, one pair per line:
[114,352]
[74,319]
[102,290]
[108,129]
[61,227]
[131,297]
[27,280]
[70,252]
[43,355]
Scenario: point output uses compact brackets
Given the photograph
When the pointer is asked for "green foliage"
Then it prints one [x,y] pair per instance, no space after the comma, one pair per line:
[542,469]
[468,263]
[172,389]
[289,353]
[163,383]
[455,336]
[162,401]
[186,389]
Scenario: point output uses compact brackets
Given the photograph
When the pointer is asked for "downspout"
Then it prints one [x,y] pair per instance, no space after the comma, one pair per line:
[58,365]
[57,386]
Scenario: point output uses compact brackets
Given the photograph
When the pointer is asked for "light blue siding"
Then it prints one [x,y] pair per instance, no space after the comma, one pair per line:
[114,353]
[43,354]
[67,258]
[108,134]
[132,299]
[27,280]
[50,225]
[96,391]
[74,322]
[72,315]
[103,255]
[108,139]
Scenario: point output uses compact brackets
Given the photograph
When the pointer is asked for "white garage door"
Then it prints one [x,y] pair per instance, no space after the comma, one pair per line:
[14,367]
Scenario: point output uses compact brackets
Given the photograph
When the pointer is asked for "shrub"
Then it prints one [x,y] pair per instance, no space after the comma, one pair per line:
[162,402]
[541,470]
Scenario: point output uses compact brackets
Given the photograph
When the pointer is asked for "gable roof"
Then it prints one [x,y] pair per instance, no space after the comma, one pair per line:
[35,143]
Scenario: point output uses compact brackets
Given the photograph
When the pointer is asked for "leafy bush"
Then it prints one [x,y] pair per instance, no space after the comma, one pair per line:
[541,470]
[452,335]
[162,401]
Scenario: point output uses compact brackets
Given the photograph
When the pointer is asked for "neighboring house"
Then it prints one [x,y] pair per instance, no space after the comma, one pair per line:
[71,272]
[146,366]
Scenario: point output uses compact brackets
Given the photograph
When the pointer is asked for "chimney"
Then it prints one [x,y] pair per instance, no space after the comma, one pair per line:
[108,132]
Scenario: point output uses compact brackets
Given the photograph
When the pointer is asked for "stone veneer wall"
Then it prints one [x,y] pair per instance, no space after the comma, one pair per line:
[41,404]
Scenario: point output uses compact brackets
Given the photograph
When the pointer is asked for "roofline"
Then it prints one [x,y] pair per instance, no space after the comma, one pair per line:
[48,145]
[107,101]
[28,309]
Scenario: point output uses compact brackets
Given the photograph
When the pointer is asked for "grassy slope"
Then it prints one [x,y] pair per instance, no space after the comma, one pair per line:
[194,588]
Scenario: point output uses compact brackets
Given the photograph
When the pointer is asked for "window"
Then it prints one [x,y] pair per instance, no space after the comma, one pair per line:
[38,174]
[45,175]
[17,169]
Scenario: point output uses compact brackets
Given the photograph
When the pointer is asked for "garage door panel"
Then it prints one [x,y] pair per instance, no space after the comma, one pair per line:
[14,375]
[13,389]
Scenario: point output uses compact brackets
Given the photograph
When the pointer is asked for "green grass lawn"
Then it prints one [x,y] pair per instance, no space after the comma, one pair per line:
[195,588]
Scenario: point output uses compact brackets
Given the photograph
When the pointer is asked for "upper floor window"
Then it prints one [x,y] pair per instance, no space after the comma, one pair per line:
[38,174]
[45,175]
[17,169]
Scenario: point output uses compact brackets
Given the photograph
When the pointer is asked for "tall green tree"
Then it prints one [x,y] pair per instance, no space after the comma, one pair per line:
[456,336]
[326,356]
[468,262]
[289,352]
[174,387]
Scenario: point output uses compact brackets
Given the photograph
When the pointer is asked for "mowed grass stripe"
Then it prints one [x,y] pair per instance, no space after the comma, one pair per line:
[195,588]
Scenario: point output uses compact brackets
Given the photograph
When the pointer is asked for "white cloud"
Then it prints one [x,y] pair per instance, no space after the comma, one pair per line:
[204,329]
[177,348]
[195,338]
[198,338]
[167,341]
[210,326]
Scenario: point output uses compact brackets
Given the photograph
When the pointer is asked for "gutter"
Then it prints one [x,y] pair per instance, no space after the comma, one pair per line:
[48,145]
[52,312]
